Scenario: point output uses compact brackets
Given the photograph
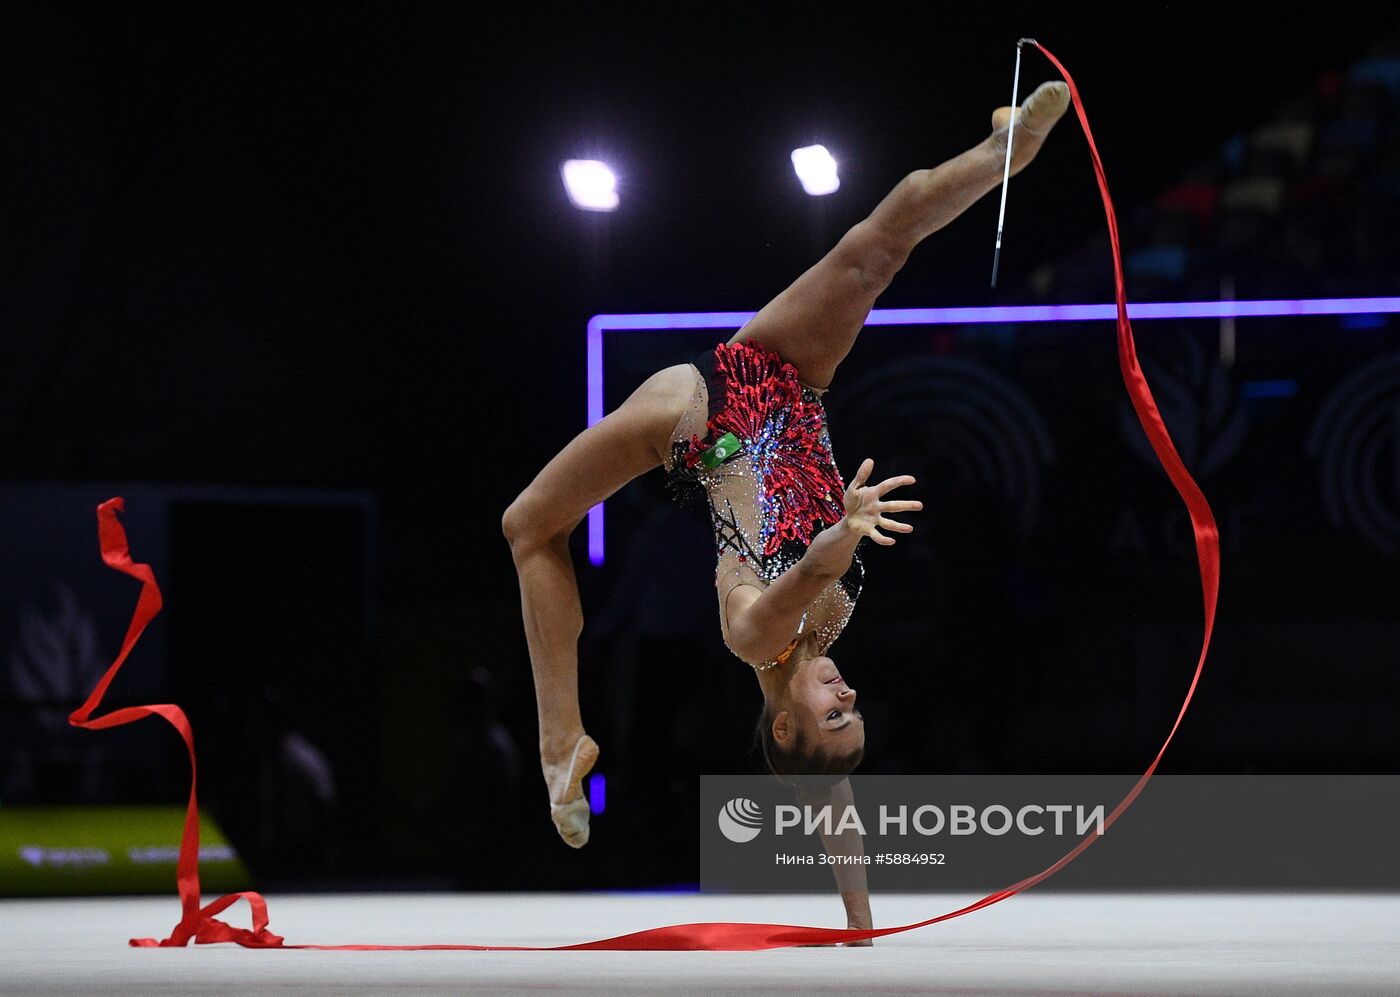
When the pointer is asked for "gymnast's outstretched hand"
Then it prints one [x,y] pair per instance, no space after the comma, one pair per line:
[866,507]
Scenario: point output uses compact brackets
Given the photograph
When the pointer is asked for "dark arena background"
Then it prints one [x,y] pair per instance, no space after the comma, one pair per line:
[302,283]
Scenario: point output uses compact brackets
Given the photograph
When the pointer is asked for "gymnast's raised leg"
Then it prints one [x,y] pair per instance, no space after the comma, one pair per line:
[814,323]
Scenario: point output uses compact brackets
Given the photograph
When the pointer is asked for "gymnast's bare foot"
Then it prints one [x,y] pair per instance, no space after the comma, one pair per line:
[1037,115]
[563,775]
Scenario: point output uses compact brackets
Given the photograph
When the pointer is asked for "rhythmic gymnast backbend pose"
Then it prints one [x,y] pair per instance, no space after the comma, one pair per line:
[743,426]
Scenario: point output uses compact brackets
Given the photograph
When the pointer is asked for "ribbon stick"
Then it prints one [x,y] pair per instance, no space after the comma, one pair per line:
[200,924]
[1006,170]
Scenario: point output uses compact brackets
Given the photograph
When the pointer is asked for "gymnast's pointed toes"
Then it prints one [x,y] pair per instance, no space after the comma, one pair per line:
[571,821]
[1038,112]
[570,815]
[1045,106]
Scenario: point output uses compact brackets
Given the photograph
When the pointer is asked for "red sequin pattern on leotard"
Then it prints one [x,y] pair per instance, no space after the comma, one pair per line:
[767,408]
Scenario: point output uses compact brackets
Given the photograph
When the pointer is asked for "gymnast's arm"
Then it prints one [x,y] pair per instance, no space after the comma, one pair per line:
[762,622]
[850,879]
[625,444]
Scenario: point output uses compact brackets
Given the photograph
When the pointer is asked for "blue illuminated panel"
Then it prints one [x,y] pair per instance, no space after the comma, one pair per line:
[671,321]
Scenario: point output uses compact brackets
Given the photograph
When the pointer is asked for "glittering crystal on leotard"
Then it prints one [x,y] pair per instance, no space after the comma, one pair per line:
[729,534]
[780,423]
[768,501]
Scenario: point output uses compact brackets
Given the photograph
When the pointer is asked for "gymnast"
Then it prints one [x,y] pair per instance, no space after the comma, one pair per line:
[742,427]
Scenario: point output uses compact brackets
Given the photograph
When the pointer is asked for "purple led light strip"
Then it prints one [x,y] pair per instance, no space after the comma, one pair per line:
[670,321]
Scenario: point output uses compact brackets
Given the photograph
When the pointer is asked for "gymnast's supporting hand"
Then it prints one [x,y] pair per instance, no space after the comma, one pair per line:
[850,879]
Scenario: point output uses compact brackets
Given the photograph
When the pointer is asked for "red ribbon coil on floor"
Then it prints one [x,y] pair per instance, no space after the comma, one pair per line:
[200,924]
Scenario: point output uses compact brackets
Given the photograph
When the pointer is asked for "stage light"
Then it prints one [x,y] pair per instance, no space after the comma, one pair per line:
[591,185]
[816,169]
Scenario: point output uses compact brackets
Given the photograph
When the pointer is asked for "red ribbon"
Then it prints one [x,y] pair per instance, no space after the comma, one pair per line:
[200,924]
[195,922]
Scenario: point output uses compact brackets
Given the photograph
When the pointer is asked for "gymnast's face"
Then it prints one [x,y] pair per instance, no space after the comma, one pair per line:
[826,707]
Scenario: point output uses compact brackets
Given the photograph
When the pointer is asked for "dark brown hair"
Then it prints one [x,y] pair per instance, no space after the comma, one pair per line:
[819,771]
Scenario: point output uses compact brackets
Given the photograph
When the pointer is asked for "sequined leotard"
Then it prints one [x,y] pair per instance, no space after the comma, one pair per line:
[781,489]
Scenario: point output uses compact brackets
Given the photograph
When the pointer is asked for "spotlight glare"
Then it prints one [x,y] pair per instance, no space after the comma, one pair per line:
[816,169]
[591,185]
